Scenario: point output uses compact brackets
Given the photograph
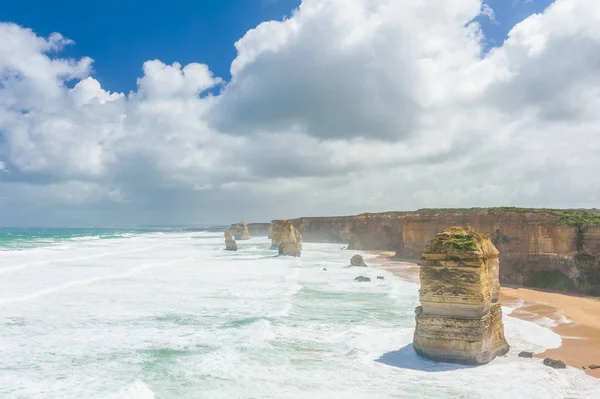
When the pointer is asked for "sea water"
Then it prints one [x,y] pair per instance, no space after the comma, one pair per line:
[172,315]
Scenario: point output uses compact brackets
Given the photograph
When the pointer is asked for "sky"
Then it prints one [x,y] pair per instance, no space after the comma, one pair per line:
[190,112]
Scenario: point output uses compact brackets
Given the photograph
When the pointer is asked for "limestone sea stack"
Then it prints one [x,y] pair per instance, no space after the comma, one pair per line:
[286,238]
[240,231]
[276,232]
[230,244]
[460,319]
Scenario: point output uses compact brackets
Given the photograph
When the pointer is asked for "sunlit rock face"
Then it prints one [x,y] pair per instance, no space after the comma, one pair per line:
[230,244]
[240,231]
[286,238]
[460,319]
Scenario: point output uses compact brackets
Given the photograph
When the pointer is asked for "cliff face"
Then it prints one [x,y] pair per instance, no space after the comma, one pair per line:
[557,250]
[324,229]
[460,319]
[259,229]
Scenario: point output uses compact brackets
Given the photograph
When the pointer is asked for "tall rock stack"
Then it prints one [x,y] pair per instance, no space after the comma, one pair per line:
[276,232]
[230,244]
[240,231]
[460,319]
[286,238]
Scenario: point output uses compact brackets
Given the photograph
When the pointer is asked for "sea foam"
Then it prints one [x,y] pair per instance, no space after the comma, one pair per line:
[173,315]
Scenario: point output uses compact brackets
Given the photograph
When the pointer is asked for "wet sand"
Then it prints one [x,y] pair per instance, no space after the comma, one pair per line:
[576,319]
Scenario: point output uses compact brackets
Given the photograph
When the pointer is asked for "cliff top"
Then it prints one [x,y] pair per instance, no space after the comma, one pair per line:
[570,217]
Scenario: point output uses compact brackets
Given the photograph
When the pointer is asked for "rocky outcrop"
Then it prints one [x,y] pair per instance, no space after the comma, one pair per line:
[363,279]
[240,231]
[460,319]
[555,364]
[526,354]
[286,238]
[543,248]
[230,244]
[357,260]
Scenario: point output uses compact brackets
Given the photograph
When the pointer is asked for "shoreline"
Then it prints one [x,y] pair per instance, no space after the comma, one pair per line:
[575,318]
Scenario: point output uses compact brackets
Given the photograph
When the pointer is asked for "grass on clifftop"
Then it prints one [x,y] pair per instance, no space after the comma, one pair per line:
[570,217]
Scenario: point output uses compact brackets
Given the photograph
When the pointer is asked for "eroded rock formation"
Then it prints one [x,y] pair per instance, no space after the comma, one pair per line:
[230,244]
[460,319]
[240,231]
[286,238]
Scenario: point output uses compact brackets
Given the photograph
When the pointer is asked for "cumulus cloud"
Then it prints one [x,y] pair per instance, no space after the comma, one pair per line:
[344,107]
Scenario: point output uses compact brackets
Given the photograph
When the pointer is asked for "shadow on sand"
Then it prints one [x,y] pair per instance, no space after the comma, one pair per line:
[407,358]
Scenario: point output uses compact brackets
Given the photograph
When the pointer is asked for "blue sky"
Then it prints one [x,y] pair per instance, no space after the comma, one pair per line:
[121,35]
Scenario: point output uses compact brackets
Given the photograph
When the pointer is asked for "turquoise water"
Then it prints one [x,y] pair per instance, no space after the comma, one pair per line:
[137,314]
[23,238]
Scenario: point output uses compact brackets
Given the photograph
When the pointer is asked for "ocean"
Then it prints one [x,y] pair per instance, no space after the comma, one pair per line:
[138,314]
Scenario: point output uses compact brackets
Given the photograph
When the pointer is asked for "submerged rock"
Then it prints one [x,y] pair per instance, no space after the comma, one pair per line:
[380,278]
[240,231]
[555,364]
[526,354]
[357,260]
[460,319]
[362,279]
[594,366]
[230,244]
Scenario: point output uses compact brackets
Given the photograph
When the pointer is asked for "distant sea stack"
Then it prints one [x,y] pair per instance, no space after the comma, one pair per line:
[240,231]
[460,319]
[230,244]
[286,238]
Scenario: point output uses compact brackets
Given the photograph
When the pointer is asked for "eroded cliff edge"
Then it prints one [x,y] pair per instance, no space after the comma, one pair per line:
[544,248]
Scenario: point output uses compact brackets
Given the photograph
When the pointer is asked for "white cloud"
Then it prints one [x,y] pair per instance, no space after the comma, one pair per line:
[344,107]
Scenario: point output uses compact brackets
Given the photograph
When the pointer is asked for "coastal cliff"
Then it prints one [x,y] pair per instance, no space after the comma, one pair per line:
[542,248]
[259,229]
[460,319]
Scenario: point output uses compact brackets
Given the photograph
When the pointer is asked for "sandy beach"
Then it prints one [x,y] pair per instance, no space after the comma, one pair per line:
[576,319]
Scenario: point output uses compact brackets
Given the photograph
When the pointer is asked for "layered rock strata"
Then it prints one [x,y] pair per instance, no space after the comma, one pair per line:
[230,244]
[544,248]
[286,238]
[240,231]
[460,319]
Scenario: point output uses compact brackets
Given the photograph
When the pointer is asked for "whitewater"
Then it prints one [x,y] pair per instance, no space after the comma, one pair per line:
[172,315]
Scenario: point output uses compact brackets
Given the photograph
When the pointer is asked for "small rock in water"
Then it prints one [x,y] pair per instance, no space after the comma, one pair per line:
[555,364]
[594,366]
[583,368]
[362,279]
[358,260]
[526,354]
[380,278]
[324,269]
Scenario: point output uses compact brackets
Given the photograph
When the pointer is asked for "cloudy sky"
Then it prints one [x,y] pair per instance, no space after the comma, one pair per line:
[267,109]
